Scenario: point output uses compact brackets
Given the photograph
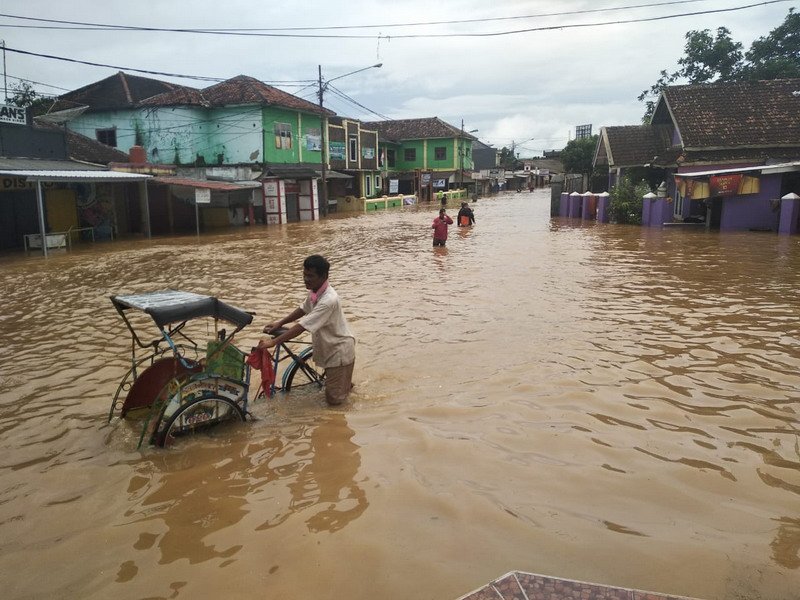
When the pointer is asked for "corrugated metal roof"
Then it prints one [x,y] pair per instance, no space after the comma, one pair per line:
[70,175]
[765,169]
[219,186]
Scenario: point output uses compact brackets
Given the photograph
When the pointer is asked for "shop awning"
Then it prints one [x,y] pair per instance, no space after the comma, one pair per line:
[75,176]
[336,175]
[765,169]
[205,184]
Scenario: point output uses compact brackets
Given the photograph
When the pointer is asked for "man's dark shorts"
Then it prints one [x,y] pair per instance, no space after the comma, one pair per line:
[438,242]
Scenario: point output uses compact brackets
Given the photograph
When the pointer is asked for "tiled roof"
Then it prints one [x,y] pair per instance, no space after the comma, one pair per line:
[118,91]
[80,147]
[85,149]
[730,115]
[634,145]
[237,90]
[416,129]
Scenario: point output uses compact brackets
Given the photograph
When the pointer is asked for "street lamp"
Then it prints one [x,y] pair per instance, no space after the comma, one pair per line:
[323,131]
[461,154]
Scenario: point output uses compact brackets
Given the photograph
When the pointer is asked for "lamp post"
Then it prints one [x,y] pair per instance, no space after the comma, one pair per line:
[323,131]
[461,154]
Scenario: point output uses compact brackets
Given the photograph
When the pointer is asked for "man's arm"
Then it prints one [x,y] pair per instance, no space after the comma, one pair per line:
[292,316]
[287,335]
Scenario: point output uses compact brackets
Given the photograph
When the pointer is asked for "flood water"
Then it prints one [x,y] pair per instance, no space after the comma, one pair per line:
[595,402]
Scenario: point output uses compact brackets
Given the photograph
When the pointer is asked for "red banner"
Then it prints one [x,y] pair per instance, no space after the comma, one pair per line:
[725,185]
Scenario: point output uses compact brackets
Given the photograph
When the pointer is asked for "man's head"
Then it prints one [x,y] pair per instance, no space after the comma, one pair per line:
[315,271]
[442,211]
[463,205]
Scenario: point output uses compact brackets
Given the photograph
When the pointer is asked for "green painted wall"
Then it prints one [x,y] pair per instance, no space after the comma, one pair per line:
[300,125]
[407,165]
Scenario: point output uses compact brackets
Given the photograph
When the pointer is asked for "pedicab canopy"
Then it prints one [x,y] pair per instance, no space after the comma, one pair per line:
[173,306]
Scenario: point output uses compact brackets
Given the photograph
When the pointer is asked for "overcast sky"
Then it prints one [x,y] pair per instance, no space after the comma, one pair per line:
[529,88]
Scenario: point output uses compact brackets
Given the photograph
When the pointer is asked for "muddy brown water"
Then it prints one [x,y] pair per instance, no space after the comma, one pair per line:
[603,403]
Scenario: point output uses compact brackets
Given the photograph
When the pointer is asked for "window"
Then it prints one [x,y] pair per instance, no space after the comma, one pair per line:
[352,149]
[440,152]
[390,157]
[283,136]
[409,154]
[378,184]
[107,136]
[368,181]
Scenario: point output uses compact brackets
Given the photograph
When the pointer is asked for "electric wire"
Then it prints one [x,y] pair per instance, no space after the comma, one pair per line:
[270,33]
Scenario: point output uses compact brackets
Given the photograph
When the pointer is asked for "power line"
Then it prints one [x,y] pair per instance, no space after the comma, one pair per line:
[83,26]
[287,83]
[269,32]
[341,94]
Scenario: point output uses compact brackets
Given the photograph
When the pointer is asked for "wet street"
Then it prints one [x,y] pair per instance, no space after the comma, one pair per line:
[597,402]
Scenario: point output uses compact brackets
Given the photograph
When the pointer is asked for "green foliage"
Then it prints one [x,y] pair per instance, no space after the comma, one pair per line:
[709,57]
[625,201]
[507,159]
[25,96]
[578,155]
[777,55]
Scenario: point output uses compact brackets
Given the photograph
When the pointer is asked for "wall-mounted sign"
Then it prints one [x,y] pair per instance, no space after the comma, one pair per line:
[336,150]
[313,142]
[439,183]
[270,188]
[394,186]
[202,196]
[425,178]
[12,114]
[368,153]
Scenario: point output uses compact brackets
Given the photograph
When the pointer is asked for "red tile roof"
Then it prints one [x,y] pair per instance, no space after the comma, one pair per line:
[634,145]
[237,90]
[118,91]
[733,115]
[416,129]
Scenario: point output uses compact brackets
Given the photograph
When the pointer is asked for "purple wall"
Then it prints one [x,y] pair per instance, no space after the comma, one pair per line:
[753,211]
[563,205]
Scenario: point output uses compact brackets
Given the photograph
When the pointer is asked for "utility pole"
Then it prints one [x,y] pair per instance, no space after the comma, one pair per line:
[461,158]
[5,77]
[323,194]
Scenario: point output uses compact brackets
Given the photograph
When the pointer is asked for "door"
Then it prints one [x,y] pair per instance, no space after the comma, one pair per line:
[292,207]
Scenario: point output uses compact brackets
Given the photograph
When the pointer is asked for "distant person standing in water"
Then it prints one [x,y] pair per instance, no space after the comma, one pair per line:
[466,217]
[439,226]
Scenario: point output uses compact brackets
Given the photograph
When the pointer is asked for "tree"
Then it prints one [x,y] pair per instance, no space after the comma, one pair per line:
[777,55]
[717,57]
[26,97]
[625,201]
[578,155]
[507,159]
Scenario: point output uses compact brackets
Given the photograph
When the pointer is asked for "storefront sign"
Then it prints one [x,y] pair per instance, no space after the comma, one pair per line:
[202,196]
[439,183]
[270,188]
[12,114]
[394,186]
[425,178]
[336,150]
[724,185]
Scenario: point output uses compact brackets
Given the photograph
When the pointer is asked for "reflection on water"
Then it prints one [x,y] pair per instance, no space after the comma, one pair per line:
[574,400]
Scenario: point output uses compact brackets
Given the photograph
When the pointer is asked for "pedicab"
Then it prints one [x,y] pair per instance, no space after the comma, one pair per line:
[177,385]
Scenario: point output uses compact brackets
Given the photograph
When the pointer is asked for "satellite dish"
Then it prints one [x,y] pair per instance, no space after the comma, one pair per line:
[61,116]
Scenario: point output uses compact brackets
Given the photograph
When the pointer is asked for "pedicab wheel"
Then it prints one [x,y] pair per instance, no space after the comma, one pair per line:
[299,374]
[199,415]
